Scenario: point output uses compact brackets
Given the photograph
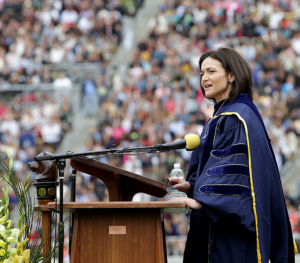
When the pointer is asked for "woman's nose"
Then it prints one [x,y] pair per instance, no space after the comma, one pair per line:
[204,78]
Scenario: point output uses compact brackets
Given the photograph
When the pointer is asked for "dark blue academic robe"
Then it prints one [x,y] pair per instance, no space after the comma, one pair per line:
[234,175]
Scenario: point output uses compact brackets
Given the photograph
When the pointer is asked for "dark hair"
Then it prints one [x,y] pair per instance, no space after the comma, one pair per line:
[233,63]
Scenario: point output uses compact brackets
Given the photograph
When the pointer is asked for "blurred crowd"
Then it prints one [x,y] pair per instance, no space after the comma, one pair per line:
[157,99]
[26,131]
[36,38]
[42,32]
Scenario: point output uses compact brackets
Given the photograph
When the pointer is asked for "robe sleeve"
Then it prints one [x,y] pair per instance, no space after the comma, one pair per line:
[192,172]
[223,187]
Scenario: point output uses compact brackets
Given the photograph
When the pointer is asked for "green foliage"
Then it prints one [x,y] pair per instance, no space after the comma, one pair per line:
[27,215]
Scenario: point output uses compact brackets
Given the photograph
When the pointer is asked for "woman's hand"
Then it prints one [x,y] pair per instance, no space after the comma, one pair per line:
[180,185]
[191,203]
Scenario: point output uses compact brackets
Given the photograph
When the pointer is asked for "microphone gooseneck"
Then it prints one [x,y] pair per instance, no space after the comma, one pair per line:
[190,142]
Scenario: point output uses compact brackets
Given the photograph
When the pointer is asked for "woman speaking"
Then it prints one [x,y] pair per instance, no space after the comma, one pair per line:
[233,184]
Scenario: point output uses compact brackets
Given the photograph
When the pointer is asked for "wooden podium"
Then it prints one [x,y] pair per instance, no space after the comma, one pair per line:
[118,231]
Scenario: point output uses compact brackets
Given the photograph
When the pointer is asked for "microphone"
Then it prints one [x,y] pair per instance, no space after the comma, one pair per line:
[190,142]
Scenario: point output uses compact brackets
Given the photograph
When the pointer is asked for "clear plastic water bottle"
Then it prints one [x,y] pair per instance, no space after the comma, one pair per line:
[176,173]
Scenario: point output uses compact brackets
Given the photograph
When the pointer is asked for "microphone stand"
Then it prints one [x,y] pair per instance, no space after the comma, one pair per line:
[60,161]
[73,197]
[61,165]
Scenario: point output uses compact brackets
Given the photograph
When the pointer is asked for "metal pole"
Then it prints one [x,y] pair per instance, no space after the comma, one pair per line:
[61,165]
[73,197]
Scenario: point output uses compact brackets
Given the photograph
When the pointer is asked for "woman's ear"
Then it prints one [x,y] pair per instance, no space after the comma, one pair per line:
[231,78]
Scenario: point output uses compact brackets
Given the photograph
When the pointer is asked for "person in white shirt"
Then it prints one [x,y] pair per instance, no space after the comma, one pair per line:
[13,59]
[85,24]
[57,53]
[69,16]
[51,133]
[10,125]
[62,87]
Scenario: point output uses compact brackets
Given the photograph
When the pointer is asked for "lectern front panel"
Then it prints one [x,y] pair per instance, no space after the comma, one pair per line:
[118,236]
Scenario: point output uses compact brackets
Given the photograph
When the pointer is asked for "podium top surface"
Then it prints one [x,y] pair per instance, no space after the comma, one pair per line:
[177,207]
[102,205]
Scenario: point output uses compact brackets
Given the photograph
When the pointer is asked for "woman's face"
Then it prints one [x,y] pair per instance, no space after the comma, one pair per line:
[215,80]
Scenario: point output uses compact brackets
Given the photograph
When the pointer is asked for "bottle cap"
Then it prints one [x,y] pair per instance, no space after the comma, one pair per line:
[176,165]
